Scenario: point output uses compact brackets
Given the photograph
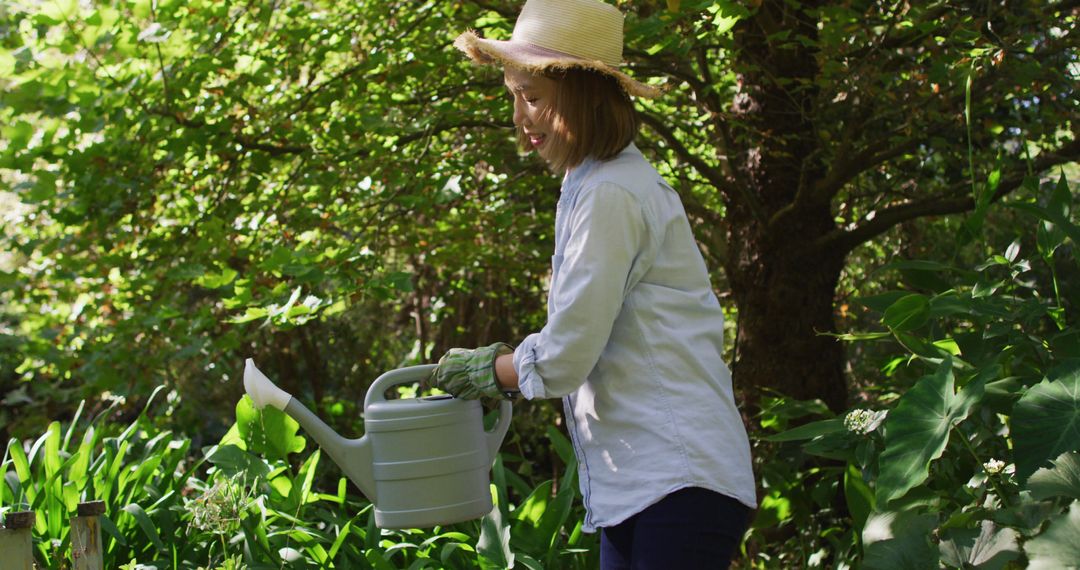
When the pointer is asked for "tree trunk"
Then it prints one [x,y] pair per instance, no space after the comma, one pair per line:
[784,293]
[782,281]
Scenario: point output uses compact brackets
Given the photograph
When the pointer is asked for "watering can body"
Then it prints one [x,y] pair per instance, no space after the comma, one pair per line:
[422,461]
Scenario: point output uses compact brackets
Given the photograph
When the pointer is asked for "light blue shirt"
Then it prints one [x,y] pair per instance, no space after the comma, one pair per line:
[633,344]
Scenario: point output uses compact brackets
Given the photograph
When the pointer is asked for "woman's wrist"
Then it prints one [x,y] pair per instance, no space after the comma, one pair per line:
[505,374]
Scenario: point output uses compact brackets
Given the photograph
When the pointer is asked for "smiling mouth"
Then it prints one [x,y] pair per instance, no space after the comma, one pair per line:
[536,140]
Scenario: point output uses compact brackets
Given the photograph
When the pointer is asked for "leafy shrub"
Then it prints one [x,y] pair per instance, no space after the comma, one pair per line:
[249,502]
[974,466]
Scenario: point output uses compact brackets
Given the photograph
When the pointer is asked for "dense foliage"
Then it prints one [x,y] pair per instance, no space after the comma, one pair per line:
[967,457]
[331,189]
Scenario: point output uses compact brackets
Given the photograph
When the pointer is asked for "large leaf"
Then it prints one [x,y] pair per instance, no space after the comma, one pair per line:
[268,431]
[1046,422]
[1061,480]
[232,459]
[917,431]
[1058,547]
[987,548]
[899,541]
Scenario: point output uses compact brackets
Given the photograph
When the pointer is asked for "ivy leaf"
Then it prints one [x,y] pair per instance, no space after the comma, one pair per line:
[1057,547]
[1046,422]
[917,431]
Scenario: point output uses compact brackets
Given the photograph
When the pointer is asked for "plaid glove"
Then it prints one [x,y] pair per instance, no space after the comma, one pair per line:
[469,374]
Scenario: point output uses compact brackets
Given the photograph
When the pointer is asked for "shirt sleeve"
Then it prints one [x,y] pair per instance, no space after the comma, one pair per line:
[607,233]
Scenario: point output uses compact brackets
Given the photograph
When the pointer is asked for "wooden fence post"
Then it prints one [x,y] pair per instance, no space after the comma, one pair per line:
[86,550]
[17,541]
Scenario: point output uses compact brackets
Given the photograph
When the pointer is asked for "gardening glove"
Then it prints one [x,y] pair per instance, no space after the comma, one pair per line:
[469,374]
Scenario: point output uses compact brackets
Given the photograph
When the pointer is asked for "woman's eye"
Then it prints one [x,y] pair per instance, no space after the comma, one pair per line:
[531,100]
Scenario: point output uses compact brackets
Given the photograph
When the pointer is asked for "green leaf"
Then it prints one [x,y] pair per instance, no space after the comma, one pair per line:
[494,544]
[216,280]
[986,548]
[268,431]
[1046,422]
[1058,547]
[726,15]
[1055,217]
[232,460]
[907,313]
[1061,480]
[493,547]
[532,508]
[899,541]
[250,314]
[880,302]
[562,445]
[917,431]
[810,430]
[858,495]
[147,525]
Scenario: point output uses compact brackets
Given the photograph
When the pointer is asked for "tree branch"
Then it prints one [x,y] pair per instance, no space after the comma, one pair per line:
[713,175]
[873,154]
[947,202]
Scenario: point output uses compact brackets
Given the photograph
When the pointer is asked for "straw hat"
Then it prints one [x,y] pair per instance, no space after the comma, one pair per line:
[560,34]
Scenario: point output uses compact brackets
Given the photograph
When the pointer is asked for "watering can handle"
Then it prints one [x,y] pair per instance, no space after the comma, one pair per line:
[498,431]
[377,393]
[407,375]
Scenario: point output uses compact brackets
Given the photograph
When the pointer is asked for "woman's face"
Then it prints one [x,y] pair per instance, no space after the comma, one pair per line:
[533,95]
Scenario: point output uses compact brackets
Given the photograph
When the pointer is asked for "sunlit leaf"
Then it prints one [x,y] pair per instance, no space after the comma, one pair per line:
[917,430]
[269,431]
[899,541]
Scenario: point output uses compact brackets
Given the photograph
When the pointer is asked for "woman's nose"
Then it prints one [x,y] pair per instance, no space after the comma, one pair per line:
[519,111]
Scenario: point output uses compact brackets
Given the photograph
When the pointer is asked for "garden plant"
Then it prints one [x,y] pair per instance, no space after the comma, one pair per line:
[887,192]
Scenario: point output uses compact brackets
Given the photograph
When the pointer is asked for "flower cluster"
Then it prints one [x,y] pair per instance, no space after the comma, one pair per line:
[864,421]
[219,508]
[994,466]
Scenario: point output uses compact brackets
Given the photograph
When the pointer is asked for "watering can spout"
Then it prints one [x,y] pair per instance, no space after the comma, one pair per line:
[262,391]
[352,455]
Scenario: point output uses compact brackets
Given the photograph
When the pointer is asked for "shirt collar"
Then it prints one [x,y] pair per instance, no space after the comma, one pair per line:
[577,174]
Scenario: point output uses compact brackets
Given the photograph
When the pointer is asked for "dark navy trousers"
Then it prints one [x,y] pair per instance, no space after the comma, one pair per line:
[690,529]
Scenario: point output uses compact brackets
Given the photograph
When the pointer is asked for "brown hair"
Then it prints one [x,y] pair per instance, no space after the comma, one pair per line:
[591,115]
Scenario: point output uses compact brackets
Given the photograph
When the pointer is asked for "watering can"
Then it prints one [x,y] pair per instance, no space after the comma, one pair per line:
[422,461]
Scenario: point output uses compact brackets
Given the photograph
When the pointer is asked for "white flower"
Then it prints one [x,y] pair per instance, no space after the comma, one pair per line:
[864,421]
[994,466]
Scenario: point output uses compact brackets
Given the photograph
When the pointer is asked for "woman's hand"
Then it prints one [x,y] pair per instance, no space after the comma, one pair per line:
[470,373]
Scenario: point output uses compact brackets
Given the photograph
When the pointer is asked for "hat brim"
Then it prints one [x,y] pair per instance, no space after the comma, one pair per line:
[537,59]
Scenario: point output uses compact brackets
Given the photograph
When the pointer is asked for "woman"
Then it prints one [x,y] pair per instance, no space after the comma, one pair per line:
[634,336]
